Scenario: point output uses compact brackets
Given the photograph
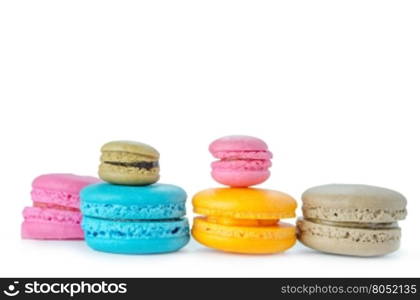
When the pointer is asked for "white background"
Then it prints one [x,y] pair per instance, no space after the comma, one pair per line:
[333,87]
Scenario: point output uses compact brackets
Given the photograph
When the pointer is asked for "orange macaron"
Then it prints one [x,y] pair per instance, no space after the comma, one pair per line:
[244,220]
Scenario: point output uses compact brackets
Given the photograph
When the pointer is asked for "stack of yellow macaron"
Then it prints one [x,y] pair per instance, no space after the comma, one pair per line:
[239,218]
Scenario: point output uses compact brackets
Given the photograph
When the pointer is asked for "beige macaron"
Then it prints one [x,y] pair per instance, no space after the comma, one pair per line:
[351,219]
[129,163]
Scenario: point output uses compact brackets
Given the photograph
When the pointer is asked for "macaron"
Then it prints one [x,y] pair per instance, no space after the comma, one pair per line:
[351,219]
[55,214]
[244,220]
[134,219]
[129,163]
[242,160]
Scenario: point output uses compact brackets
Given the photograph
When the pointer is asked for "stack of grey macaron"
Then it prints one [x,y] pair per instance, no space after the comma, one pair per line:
[351,219]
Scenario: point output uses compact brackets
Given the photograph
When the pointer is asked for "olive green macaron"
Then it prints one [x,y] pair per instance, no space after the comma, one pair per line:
[129,163]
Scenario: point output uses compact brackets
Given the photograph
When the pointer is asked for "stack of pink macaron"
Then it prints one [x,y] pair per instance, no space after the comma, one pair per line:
[55,214]
[243,161]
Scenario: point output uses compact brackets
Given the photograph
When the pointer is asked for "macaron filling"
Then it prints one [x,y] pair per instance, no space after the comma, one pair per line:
[55,206]
[240,222]
[378,226]
[148,165]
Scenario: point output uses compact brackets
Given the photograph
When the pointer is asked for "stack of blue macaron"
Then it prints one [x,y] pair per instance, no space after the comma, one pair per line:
[133,219]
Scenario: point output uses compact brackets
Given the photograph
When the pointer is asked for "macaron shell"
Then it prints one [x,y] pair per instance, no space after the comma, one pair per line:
[48,231]
[138,246]
[51,224]
[348,241]
[55,198]
[63,183]
[141,196]
[244,203]
[353,196]
[128,175]
[245,155]
[137,237]
[131,147]
[237,143]
[157,201]
[241,165]
[353,203]
[244,239]
[125,157]
[240,178]
[52,215]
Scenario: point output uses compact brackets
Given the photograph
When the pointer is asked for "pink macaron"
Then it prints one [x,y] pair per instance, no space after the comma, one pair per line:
[243,160]
[55,214]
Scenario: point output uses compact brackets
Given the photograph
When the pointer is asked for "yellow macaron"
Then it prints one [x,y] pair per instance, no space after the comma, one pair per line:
[244,220]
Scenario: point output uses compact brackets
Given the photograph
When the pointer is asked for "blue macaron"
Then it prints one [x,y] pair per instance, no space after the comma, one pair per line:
[134,219]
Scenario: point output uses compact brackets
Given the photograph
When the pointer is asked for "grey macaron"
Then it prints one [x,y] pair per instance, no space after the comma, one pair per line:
[351,219]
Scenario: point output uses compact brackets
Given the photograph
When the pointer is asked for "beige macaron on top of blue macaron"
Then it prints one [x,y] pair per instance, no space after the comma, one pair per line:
[129,163]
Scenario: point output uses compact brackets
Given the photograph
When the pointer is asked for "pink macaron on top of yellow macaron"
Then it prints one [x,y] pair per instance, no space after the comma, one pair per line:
[243,160]
[240,146]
